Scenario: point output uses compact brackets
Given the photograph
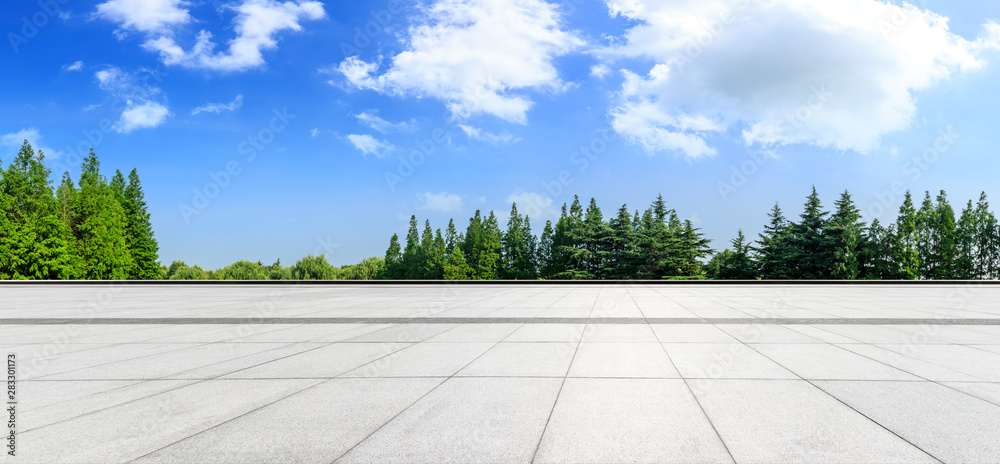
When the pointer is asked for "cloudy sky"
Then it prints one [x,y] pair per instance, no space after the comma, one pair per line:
[265,129]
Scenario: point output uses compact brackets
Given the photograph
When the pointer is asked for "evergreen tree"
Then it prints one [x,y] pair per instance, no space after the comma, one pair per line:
[456,268]
[946,253]
[34,242]
[846,234]
[622,259]
[100,226]
[141,243]
[596,241]
[518,249]
[987,241]
[481,247]
[906,249]
[926,237]
[393,268]
[736,264]
[965,241]
[810,248]
[451,238]
[877,253]
[413,259]
[544,252]
[772,252]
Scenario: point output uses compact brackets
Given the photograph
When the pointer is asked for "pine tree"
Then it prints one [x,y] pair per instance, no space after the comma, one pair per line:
[877,253]
[456,268]
[393,269]
[622,252]
[926,237]
[906,250]
[987,241]
[965,241]
[596,241]
[810,248]
[451,238]
[412,255]
[736,264]
[481,246]
[518,249]
[34,242]
[142,244]
[946,252]
[544,252]
[100,226]
[773,251]
[846,234]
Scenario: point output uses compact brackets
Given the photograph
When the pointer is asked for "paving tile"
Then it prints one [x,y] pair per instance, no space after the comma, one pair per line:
[547,333]
[476,333]
[317,425]
[133,429]
[618,420]
[618,333]
[480,420]
[793,421]
[829,362]
[523,359]
[645,360]
[698,333]
[950,425]
[425,359]
[723,361]
[325,362]
[982,390]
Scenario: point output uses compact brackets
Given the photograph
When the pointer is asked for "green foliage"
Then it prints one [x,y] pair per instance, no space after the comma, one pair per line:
[456,268]
[735,264]
[393,268]
[243,270]
[368,269]
[313,268]
[142,245]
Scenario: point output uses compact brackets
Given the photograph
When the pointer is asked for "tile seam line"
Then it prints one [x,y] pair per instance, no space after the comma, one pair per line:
[495,320]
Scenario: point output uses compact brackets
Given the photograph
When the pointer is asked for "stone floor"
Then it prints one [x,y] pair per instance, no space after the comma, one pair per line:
[505,373]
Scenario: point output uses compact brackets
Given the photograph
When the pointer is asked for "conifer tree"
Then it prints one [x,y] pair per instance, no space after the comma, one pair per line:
[926,238]
[393,269]
[846,234]
[456,268]
[100,226]
[965,241]
[142,245]
[622,252]
[451,239]
[736,264]
[906,252]
[413,259]
[987,241]
[518,248]
[773,249]
[34,242]
[544,252]
[810,247]
[945,253]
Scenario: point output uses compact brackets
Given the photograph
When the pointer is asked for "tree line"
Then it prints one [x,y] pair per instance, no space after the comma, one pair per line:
[581,244]
[94,229]
[924,243]
[100,229]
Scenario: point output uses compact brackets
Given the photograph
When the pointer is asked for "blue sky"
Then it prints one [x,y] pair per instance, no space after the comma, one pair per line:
[265,130]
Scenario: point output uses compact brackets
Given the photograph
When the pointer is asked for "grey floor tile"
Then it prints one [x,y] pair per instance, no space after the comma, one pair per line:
[644,360]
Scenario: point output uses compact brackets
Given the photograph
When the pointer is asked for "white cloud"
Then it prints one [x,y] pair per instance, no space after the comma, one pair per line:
[219,107]
[534,205]
[257,23]
[372,120]
[837,74]
[599,71]
[314,132]
[74,66]
[443,202]
[475,55]
[141,99]
[149,16]
[370,145]
[476,133]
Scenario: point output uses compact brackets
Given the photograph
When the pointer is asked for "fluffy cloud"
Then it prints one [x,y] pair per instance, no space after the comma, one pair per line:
[443,202]
[476,133]
[837,74]
[12,142]
[370,145]
[141,116]
[219,107]
[141,99]
[475,55]
[149,16]
[74,66]
[533,205]
[257,23]
[372,120]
